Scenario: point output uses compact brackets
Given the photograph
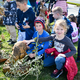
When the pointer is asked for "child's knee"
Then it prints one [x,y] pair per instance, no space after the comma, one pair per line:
[59,59]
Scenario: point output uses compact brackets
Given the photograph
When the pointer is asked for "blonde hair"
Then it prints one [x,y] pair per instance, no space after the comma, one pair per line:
[58,10]
[61,23]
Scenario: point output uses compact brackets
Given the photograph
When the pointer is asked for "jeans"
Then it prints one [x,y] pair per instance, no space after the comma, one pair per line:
[49,61]
[21,36]
[59,61]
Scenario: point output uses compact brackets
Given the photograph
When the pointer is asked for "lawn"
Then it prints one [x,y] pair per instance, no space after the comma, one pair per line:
[45,72]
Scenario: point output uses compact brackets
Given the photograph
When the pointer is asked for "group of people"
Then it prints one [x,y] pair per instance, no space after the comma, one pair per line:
[31,29]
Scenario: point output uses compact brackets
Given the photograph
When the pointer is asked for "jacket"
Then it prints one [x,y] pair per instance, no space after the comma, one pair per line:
[10,13]
[29,15]
[70,64]
[70,30]
[41,46]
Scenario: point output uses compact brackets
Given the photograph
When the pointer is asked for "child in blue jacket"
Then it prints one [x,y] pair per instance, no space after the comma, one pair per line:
[58,14]
[40,32]
[25,20]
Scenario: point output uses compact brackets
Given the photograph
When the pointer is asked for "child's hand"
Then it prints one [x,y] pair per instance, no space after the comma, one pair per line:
[63,55]
[17,26]
[26,26]
[27,42]
[32,55]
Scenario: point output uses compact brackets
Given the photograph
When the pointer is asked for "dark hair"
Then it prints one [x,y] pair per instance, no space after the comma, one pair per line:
[72,18]
[21,1]
[43,0]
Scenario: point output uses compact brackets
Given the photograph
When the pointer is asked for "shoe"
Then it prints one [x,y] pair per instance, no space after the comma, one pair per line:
[9,40]
[56,73]
[78,60]
[12,42]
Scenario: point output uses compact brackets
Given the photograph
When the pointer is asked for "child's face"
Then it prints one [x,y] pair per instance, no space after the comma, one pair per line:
[59,30]
[21,6]
[55,15]
[39,27]
[42,3]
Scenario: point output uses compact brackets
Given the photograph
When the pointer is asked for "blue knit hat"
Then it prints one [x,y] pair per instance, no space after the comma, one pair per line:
[40,20]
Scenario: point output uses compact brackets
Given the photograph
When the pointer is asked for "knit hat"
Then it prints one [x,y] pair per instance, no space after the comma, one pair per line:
[40,20]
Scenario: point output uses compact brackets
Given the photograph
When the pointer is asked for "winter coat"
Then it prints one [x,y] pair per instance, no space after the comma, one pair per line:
[70,30]
[41,46]
[10,13]
[29,15]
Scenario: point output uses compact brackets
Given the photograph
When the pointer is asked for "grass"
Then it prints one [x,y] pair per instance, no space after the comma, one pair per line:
[45,72]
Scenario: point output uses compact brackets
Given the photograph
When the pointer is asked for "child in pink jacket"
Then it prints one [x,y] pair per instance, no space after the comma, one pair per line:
[74,34]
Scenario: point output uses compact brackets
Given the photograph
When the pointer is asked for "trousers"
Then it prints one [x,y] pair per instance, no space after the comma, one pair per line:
[58,61]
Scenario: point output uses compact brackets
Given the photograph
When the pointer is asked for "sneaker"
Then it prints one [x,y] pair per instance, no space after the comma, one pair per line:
[12,42]
[78,60]
[9,40]
[56,73]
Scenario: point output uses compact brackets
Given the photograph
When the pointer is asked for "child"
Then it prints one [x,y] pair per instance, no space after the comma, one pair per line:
[58,14]
[40,32]
[25,20]
[9,19]
[42,9]
[63,5]
[74,34]
[51,3]
[62,52]
[78,21]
